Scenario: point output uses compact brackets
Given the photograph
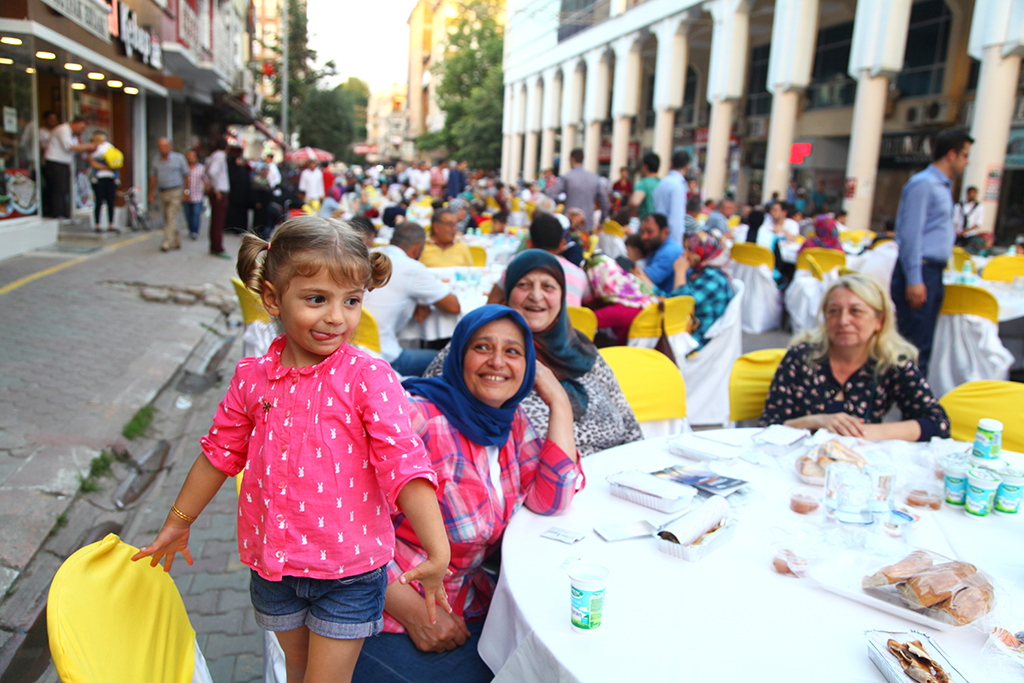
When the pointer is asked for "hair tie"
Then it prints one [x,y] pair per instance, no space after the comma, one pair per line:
[268,246]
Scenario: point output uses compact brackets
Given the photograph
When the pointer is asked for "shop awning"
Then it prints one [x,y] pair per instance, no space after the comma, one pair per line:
[245,111]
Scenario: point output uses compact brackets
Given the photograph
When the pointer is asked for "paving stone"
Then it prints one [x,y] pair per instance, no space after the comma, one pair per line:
[24,600]
[233,600]
[249,624]
[204,603]
[228,624]
[220,668]
[56,469]
[7,577]
[247,668]
[219,645]
[205,581]
[26,518]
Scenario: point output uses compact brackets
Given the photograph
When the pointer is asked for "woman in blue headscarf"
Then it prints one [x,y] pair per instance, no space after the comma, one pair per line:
[489,461]
[535,288]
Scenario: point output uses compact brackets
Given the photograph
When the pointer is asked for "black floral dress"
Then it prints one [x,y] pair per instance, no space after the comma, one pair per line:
[803,387]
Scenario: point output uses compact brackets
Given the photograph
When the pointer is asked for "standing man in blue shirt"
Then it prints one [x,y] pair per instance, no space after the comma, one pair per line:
[925,234]
[661,251]
[670,197]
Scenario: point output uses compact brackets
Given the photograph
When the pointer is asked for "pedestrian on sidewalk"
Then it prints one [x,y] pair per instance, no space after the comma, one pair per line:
[104,182]
[195,188]
[318,550]
[60,165]
[220,185]
[168,177]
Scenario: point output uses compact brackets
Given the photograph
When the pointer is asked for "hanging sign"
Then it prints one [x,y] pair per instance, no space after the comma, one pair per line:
[86,13]
[138,41]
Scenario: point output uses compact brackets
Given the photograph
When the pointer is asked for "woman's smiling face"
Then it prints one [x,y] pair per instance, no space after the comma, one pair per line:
[538,298]
[494,363]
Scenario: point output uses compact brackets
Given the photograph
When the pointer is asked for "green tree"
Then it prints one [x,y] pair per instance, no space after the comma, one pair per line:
[333,119]
[467,85]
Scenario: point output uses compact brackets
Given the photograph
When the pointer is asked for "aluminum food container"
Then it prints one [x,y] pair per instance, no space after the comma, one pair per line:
[890,668]
[698,551]
[649,500]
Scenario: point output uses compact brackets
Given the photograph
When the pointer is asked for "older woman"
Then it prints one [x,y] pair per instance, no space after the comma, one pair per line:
[535,287]
[845,375]
[489,461]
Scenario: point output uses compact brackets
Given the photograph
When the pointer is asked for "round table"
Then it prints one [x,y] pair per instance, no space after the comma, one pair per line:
[727,617]
[441,325]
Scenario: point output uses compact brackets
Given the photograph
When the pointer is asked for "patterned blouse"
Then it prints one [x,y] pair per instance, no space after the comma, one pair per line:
[608,422]
[803,387]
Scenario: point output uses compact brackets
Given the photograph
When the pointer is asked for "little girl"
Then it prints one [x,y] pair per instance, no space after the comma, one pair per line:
[322,431]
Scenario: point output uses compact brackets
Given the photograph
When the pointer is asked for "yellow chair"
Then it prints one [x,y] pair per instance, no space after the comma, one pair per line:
[960,256]
[1003,268]
[366,335]
[972,401]
[492,203]
[652,383]
[111,619]
[252,305]
[516,202]
[678,315]
[810,263]
[965,299]
[560,208]
[479,255]
[827,258]
[238,483]
[486,226]
[583,319]
[530,207]
[752,254]
[749,381]
[613,228]
[880,241]
[648,323]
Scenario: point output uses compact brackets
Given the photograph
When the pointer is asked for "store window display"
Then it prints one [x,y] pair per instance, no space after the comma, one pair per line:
[19,194]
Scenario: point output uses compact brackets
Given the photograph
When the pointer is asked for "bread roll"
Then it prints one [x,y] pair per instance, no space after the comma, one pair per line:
[936,584]
[914,563]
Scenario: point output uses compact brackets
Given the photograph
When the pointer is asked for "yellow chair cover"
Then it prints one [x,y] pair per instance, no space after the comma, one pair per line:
[752,254]
[972,401]
[583,319]
[479,255]
[883,240]
[252,305]
[678,311]
[366,333]
[1003,268]
[560,208]
[530,206]
[960,256]
[486,226]
[810,263]
[961,299]
[749,381]
[111,619]
[648,323]
[734,221]
[492,202]
[613,228]
[652,383]
[238,483]
[516,201]
[827,258]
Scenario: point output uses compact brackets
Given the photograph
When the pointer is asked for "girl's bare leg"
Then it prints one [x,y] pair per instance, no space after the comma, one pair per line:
[295,644]
[331,660]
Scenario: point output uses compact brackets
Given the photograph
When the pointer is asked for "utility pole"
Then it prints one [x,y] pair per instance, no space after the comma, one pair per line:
[284,72]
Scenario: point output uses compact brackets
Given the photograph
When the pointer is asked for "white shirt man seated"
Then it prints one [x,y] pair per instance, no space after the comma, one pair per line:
[410,293]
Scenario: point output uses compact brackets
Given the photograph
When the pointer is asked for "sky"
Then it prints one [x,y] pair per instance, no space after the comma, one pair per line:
[368,39]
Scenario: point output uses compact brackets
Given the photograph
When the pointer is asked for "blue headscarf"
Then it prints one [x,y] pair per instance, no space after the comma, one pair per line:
[475,420]
[569,354]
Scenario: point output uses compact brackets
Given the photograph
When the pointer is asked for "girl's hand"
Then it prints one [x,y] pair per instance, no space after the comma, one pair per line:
[171,539]
[547,386]
[430,573]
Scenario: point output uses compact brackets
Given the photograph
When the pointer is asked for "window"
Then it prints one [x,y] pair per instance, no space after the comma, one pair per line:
[972,76]
[577,15]
[830,85]
[689,97]
[759,100]
[924,62]
[19,194]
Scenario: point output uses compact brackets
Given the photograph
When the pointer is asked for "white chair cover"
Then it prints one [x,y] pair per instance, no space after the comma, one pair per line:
[257,338]
[966,348]
[274,670]
[762,305]
[643,342]
[654,429]
[611,246]
[878,262]
[803,298]
[200,670]
[707,371]
[682,344]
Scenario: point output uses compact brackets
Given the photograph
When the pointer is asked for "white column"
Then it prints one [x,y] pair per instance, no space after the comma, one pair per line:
[595,106]
[997,41]
[140,154]
[726,78]
[669,84]
[572,110]
[625,97]
[550,117]
[794,30]
[506,154]
[518,125]
[879,41]
[533,99]
[506,135]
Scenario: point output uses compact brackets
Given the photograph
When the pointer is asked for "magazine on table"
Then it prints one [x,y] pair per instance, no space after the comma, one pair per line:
[702,480]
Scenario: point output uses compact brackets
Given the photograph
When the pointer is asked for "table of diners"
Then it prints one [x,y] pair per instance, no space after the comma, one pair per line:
[728,617]
[470,285]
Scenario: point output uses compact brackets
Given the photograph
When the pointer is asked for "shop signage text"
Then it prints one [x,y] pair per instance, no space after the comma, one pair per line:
[910,148]
[138,40]
[86,13]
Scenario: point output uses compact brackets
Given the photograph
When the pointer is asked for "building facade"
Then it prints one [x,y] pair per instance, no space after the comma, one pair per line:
[841,97]
[387,122]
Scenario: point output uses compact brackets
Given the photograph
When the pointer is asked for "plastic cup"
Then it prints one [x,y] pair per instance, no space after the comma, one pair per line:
[982,485]
[988,439]
[955,480]
[1010,489]
[587,581]
[994,464]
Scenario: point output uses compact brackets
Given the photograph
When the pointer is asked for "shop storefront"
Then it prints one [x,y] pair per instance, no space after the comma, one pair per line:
[1010,221]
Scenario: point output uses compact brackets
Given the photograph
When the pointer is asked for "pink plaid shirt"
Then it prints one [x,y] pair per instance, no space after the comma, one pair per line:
[534,472]
[326,451]
[196,183]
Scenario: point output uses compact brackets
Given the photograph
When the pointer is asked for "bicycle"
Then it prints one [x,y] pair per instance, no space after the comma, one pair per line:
[137,219]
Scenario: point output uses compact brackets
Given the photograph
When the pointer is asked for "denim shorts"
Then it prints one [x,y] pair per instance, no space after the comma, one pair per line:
[347,608]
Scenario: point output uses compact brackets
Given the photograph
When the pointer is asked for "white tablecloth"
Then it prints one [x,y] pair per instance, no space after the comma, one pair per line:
[441,325]
[1011,301]
[500,248]
[728,617]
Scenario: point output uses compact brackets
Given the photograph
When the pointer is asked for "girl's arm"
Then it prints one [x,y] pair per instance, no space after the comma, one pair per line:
[201,485]
[418,501]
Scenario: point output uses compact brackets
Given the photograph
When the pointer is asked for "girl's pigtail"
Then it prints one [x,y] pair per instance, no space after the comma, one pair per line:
[380,266]
[252,256]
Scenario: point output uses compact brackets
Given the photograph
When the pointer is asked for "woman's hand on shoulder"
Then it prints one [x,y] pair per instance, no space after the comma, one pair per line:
[548,387]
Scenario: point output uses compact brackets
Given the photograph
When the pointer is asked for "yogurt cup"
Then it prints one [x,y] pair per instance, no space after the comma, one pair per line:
[982,485]
[994,464]
[954,478]
[587,581]
[988,439]
[1010,489]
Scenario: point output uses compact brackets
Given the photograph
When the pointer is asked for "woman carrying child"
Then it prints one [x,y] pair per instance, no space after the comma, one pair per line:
[323,435]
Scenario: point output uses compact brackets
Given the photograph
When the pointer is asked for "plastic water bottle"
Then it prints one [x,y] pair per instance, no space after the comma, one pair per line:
[966,270]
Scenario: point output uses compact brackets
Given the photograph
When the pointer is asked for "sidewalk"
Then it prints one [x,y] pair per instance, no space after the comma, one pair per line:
[82,351]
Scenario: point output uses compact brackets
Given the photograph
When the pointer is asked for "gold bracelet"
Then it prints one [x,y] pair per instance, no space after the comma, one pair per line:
[175,510]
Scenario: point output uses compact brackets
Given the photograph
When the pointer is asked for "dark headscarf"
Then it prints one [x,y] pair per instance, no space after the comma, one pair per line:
[826,234]
[569,354]
[754,222]
[475,420]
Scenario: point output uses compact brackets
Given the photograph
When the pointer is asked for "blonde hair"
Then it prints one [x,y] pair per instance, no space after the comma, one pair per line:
[886,347]
[305,245]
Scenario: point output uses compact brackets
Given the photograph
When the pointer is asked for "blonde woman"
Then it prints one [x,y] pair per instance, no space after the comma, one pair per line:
[845,375]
